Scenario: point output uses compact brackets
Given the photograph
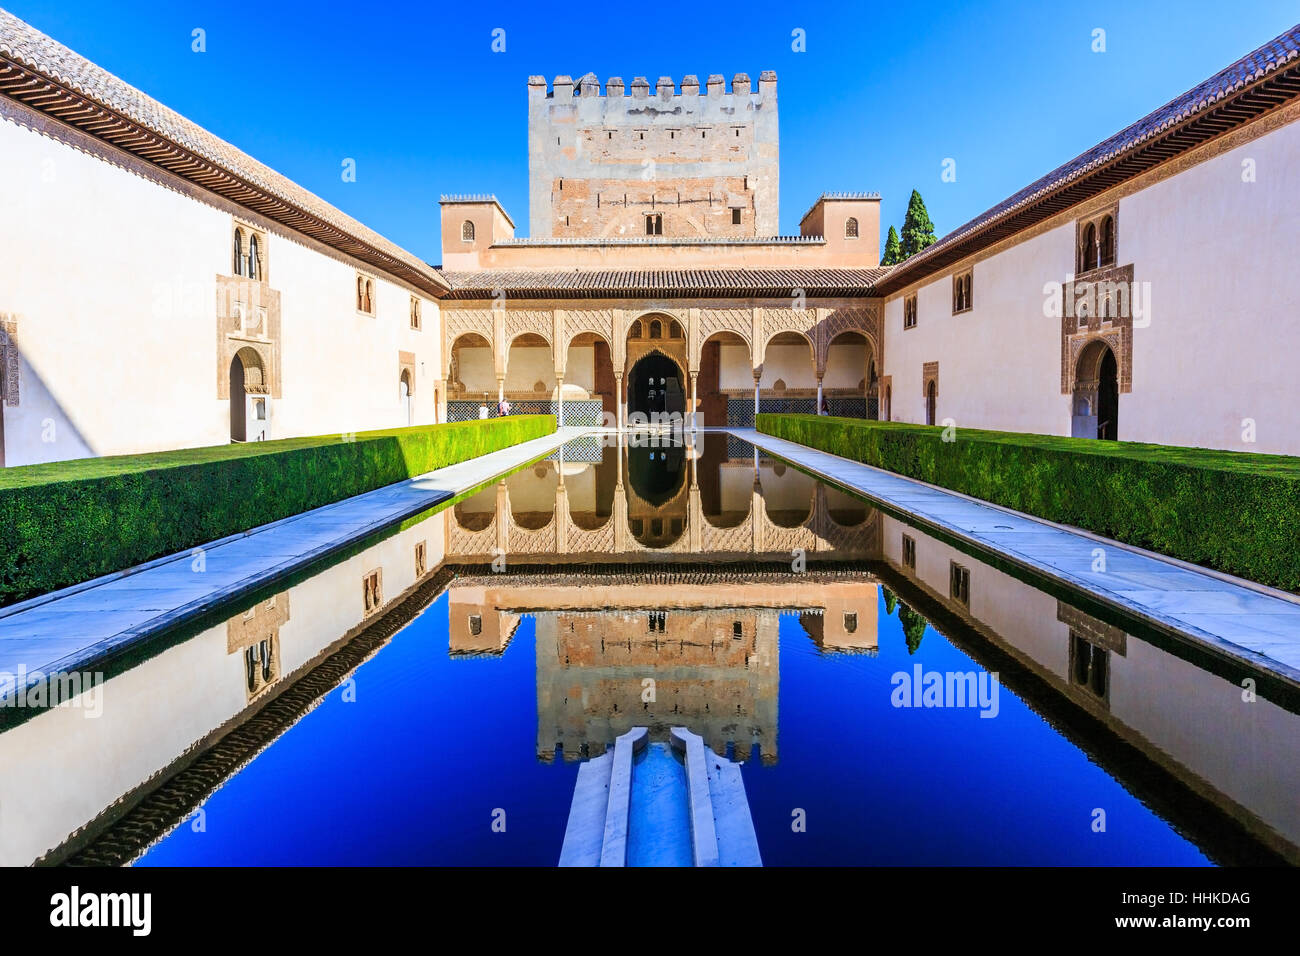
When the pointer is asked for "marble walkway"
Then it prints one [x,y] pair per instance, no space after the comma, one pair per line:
[1232,616]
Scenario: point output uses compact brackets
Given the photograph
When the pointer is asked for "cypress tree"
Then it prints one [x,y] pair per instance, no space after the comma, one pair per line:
[914,626]
[918,230]
[893,254]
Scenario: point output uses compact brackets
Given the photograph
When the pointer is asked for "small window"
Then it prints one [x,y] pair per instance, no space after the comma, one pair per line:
[416,319]
[421,557]
[1088,249]
[909,552]
[467,231]
[675,330]
[850,228]
[850,622]
[361,293]
[635,332]
[959,583]
[372,591]
[365,295]
[737,632]
[1089,666]
[656,330]
[961,293]
[475,625]
[254,258]
[654,225]
[909,312]
[1107,242]
[735,216]
[237,266]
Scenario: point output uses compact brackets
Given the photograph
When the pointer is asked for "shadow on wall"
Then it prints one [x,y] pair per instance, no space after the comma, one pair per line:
[38,429]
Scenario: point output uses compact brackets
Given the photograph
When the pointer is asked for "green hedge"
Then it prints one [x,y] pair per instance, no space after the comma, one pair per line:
[1234,511]
[70,521]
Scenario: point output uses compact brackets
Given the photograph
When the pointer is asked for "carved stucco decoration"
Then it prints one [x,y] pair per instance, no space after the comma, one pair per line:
[9,360]
[1080,328]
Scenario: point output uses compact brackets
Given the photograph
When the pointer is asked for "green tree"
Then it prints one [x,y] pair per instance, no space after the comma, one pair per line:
[891,601]
[918,230]
[893,254]
[914,626]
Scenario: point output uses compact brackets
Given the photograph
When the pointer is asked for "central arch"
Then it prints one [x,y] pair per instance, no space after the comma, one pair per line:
[655,386]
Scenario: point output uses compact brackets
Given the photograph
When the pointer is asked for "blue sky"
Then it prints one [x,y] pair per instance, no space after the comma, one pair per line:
[881,97]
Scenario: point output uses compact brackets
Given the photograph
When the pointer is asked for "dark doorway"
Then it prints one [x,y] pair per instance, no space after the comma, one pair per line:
[1108,398]
[931,394]
[654,387]
[238,427]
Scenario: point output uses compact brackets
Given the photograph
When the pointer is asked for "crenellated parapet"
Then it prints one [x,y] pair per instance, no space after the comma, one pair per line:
[653,156]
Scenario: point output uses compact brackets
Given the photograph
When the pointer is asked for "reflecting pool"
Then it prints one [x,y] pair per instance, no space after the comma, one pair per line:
[427,697]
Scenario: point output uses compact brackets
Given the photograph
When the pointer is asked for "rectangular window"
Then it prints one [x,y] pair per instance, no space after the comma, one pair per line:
[909,312]
[654,225]
[735,217]
[1089,666]
[416,319]
[909,552]
[365,294]
[959,583]
[421,558]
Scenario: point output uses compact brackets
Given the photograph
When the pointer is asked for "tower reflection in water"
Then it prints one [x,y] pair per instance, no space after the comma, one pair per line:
[660,645]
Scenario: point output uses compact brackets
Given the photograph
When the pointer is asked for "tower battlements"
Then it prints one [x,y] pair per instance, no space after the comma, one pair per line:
[689,160]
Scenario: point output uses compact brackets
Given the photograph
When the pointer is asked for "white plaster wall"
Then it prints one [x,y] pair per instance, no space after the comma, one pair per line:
[793,364]
[527,366]
[846,365]
[999,363]
[734,367]
[1217,256]
[1221,258]
[112,279]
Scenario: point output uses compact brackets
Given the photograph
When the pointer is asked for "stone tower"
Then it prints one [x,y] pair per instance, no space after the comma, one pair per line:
[692,163]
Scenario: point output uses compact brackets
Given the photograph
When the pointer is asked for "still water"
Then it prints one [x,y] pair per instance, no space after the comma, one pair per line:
[894,700]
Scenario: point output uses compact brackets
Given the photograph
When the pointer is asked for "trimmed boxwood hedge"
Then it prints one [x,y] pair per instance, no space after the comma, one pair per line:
[69,521]
[1237,512]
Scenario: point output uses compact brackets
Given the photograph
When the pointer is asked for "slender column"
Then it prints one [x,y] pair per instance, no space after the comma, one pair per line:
[695,406]
[559,398]
[501,390]
[756,378]
[818,410]
[618,399]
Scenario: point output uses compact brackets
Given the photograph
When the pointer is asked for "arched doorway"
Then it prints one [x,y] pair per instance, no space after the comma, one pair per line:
[931,401]
[404,390]
[726,372]
[471,378]
[246,376]
[850,383]
[654,387]
[1095,412]
[789,382]
[656,484]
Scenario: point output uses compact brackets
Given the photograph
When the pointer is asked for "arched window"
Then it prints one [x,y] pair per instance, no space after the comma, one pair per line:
[1088,254]
[850,228]
[636,330]
[1107,241]
[361,294]
[254,261]
[368,302]
[238,266]
[675,330]
[656,330]
[466,231]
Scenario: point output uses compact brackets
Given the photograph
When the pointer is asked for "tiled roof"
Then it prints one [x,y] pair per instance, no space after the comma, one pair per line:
[671,283]
[48,77]
[1256,83]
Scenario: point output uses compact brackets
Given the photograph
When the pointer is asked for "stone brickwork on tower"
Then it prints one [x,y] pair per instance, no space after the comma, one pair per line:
[702,161]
